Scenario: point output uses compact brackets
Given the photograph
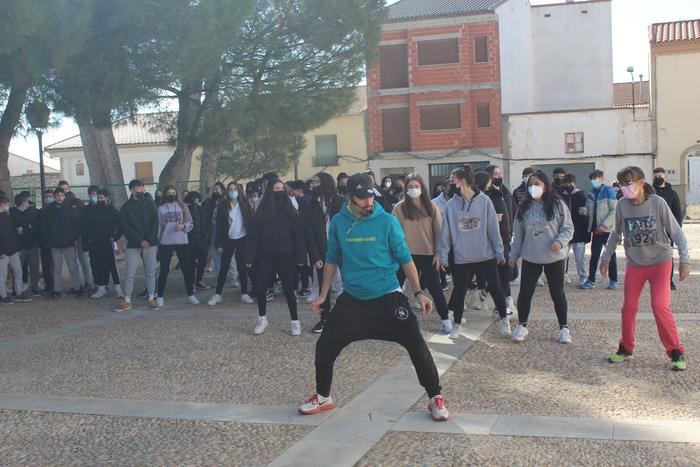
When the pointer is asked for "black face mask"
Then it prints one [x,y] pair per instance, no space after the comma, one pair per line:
[398,189]
[659,181]
[558,181]
[568,189]
[102,203]
[215,196]
[139,195]
[453,190]
[279,195]
[342,189]
[497,182]
[170,198]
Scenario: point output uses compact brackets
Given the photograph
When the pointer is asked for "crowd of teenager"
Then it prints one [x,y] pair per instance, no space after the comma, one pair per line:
[270,236]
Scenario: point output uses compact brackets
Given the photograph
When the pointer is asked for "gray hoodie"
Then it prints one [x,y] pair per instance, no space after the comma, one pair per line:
[470,229]
[534,235]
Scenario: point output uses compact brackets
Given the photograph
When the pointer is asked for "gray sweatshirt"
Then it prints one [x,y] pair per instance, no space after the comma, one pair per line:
[169,215]
[534,235]
[470,229]
[648,229]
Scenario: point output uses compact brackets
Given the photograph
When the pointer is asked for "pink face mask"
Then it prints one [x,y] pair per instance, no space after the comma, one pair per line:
[630,192]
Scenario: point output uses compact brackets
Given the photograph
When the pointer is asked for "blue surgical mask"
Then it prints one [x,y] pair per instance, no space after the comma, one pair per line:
[93,199]
[596,183]
[232,195]
[48,200]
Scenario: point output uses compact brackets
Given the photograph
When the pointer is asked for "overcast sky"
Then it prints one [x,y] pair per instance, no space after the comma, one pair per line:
[631,19]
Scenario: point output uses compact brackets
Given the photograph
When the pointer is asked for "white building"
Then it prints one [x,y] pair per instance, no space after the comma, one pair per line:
[20,165]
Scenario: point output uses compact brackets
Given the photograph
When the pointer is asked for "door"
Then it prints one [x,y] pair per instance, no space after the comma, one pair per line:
[693,196]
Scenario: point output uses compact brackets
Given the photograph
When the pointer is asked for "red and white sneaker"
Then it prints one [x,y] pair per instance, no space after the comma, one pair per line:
[316,404]
[437,406]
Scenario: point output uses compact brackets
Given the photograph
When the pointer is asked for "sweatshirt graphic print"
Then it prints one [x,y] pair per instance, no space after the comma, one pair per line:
[641,231]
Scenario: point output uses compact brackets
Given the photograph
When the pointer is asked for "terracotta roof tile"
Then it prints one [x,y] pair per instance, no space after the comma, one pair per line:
[673,32]
[406,10]
[622,94]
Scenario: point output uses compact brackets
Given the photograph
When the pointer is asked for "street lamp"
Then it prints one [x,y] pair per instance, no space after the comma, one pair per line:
[38,117]
[630,70]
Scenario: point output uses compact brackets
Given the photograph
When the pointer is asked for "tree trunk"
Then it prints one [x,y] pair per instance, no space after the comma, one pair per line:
[91,151]
[208,168]
[189,116]
[8,122]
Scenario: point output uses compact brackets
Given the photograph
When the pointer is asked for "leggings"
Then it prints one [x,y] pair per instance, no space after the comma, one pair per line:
[387,318]
[660,290]
[184,256]
[285,268]
[554,272]
[200,254]
[429,276]
[462,275]
[232,247]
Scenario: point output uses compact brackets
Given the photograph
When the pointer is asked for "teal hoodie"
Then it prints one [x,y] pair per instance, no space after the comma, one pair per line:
[369,251]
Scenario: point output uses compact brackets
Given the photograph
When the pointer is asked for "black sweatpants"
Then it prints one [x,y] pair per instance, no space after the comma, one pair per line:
[200,255]
[231,248]
[387,318]
[430,279]
[554,272]
[304,273]
[184,256]
[286,270]
[47,268]
[102,262]
[462,275]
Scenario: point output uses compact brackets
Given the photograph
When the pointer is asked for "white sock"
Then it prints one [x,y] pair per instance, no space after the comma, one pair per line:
[323,399]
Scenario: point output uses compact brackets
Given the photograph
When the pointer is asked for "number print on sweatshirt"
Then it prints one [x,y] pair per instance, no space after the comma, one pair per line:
[469,223]
[641,231]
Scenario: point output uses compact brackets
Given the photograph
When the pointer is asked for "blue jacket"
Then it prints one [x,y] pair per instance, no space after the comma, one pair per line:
[604,202]
[369,250]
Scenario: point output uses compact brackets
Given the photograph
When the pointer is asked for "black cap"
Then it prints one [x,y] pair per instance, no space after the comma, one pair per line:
[360,186]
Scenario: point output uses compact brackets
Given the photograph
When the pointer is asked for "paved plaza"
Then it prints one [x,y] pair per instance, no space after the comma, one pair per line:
[80,385]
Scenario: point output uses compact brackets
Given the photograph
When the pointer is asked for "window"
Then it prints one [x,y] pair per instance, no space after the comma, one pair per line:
[396,129]
[79,168]
[326,150]
[481,49]
[144,171]
[440,117]
[574,143]
[393,66]
[483,115]
[438,51]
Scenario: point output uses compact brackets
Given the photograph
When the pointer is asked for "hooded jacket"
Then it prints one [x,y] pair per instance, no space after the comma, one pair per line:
[9,245]
[369,251]
[27,227]
[62,225]
[575,201]
[139,222]
[603,202]
[671,197]
[534,234]
[470,229]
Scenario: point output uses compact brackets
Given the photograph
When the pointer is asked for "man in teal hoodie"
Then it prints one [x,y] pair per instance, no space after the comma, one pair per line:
[369,245]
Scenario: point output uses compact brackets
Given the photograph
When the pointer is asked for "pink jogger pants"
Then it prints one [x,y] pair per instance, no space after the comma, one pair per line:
[657,276]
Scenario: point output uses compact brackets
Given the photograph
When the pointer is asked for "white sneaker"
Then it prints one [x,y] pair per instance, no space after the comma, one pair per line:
[214,300]
[504,327]
[118,291]
[520,333]
[261,325]
[567,278]
[296,328]
[193,300]
[245,298]
[160,303]
[454,333]
[510,307]
[451,315]
[437,406]
[564,336]
[101,292]
[316,404]
[446,326]
[540,282]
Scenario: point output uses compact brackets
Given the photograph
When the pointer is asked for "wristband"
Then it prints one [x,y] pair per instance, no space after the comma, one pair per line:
[419,292]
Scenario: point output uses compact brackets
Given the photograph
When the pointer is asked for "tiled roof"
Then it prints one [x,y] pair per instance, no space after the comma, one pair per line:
[406,10]
[150,128]
[20,182]
[622,94]
[674,32]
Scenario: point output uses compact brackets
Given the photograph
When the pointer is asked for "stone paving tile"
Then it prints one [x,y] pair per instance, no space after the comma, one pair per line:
[455,449]
[199,357]
[22,319]
[543,377]
[30,438]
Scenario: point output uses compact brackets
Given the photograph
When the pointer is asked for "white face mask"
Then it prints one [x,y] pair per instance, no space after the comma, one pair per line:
[414,192]
[536,191]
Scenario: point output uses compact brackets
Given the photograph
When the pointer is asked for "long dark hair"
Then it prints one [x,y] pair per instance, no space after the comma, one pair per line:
[246,208]
[481,180]
[550,197]
[632,174]
[325,193]
[409,209]
[269,208]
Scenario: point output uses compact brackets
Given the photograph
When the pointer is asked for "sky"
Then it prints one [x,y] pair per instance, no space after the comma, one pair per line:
[630,19]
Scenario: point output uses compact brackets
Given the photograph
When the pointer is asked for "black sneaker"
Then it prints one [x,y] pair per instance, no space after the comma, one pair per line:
[677,361]
[201,286]
[23,297]
[318,329]
[55,295]
[6,301]
[74,292]
[303,293]
[620,356]
[36,293]
[270,295]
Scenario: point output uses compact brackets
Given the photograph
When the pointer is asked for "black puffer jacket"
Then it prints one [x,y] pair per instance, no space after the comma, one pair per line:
[505,226]
[9,245]
[27,227]
[62,227]
[671,197]
[283,236]
[315,228]
[100,224]
[574,201]
[139,222]
[197,236]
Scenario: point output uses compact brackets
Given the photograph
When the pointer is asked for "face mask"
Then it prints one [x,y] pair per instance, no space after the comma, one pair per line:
[387,184]
[414,192]
[215,195]
[497,182]
[48,200]
[525,179]
[659,181]
[558,181]
[595,183]
[93,199]
[102,203]
[536,191]
[342,189]
[279,195]
[398,189]
[139,195]
[170,198]
[630,192]
[453,190]
[232,195]
[568,189]
[253,197]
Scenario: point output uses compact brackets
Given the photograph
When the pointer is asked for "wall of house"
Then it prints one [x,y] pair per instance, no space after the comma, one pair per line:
[515,38]
[19,166]
[572,56]
[677,100]
[539,139]
[352,147]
